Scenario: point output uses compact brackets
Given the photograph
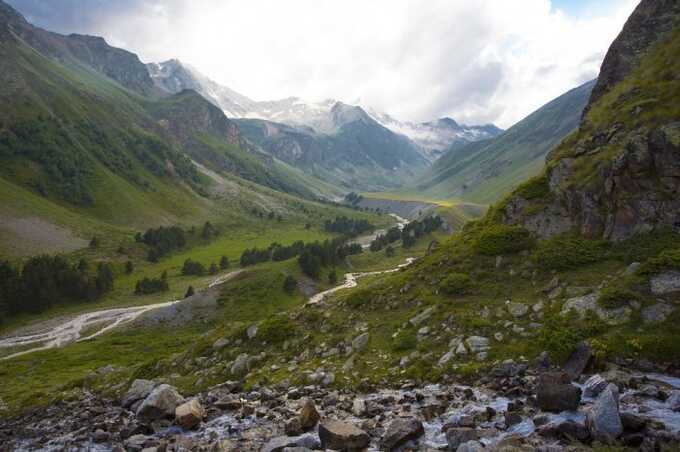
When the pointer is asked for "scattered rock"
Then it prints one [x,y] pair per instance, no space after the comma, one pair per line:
[578,360]
[459,435]
[139,390]
[339,435]
[554,392]
[360,342]
[400,431]
[518,309]
[477,344]
[251,332]
[656,313]
[159,404]
[241,364]
[293,427]
[471,446]
[604,420]
[420,318]
[190,414]
[665,283]
[594,386]
[219,344]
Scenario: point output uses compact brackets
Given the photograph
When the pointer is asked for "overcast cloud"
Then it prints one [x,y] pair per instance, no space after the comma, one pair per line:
[476,61]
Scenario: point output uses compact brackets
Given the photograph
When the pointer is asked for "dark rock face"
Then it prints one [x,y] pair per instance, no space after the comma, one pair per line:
[554,392]
[650,21]
[400,431]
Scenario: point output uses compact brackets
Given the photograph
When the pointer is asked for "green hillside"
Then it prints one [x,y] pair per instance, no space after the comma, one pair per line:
[484,171]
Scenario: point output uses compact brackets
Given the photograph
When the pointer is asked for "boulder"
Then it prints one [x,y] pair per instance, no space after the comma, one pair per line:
[665,283]
[400,431]
[159,404]
[339,435]
[578,360]
[281,443]
[656,313]
[477,344]
[471,446]
[459,435]
[673,400]
[420,318]
[446,357]
[309,417]
[139,390]
[555,393]
[251,332]
[220,343]
[588,303]
[241,364]
[190,414]
[360,342]
[518,309]
[604,420]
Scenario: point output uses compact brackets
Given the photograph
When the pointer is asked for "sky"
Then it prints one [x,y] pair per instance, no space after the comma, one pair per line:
[481,61]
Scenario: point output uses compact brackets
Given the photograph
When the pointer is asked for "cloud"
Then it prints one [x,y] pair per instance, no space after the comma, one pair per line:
[482,61]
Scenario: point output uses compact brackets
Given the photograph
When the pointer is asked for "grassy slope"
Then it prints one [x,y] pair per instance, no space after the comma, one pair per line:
[483,172]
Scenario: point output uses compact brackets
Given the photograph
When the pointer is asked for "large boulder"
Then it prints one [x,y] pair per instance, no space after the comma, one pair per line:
[400,431]
[241,364]
[578,360]
[604,420]
[139,390]
[159,404]
[477,344]
[339,435]
[554,392]
[190,414]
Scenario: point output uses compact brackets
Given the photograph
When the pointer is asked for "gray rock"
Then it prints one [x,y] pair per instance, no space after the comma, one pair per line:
[594,386]
[159,404]
[446,357]
[360,342]
[400,431]
[673,400]
[280,443]
[604,420]
[420,318]
[458,435]
[339,435]
[518,309]
[471,446]
[477,344]
[665,283]
[656,313]
[251,332]
[189,415]
[219,344]
[555,393]
[588,303]
[139,390]
[578,360]
[241,364]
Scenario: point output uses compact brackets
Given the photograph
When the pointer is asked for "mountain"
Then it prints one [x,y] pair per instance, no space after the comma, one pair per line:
[484,171]
[360,154]
[438,137]
[619,174]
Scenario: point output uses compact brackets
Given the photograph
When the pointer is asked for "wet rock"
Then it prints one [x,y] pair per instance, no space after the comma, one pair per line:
[632,422]
[604,420]
[656,313]
[360,342]
[665,283]
[512,419]
[159,404]
[673,401]
[190,414]
[139,390]
[309,416]
[518,309]
[471,446]
[594,386]
[339,435]
[459,435]
[555,393]
[400,431]
[578,360]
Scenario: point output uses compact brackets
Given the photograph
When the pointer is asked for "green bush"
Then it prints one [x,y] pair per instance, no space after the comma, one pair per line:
[456,284]
[616,297]
[276,329]
[406,340]
[559,338]
[535,188]
[667,260]
[500,239]
[567,252]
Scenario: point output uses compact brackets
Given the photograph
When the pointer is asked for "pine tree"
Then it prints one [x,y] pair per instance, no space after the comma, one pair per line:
[190,292]
[224,263]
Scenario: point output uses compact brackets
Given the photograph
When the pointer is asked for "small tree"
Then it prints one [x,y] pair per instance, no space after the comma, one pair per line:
[190,292]
[129,267]
[164,275]
[82,265]
[213,269]
[224,263]
[332,277]
[94,243]
[389,251]
[289,285]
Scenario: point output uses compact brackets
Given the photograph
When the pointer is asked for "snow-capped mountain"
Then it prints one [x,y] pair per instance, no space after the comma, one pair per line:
[436,137]
[432,139]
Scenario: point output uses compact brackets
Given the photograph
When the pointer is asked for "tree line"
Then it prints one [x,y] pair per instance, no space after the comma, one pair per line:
[45,281]
[409,234]
[348,227]
[165,239]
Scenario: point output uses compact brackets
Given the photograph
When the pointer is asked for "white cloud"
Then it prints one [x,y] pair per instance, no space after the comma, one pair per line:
[476,61]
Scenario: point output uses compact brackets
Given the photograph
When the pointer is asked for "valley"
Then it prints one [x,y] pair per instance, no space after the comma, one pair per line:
[183,267]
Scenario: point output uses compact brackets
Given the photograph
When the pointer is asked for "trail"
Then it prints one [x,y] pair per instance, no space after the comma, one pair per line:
[71,330]
[351,281]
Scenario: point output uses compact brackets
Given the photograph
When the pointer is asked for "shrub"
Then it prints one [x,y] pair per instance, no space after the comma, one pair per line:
[193,268]
[535,188]
[559,338]
[406,340]
[224,263]
[275,330]
[500,239]
[616,297]
[289,285]
[667,260]
[566,252]
[456,284]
